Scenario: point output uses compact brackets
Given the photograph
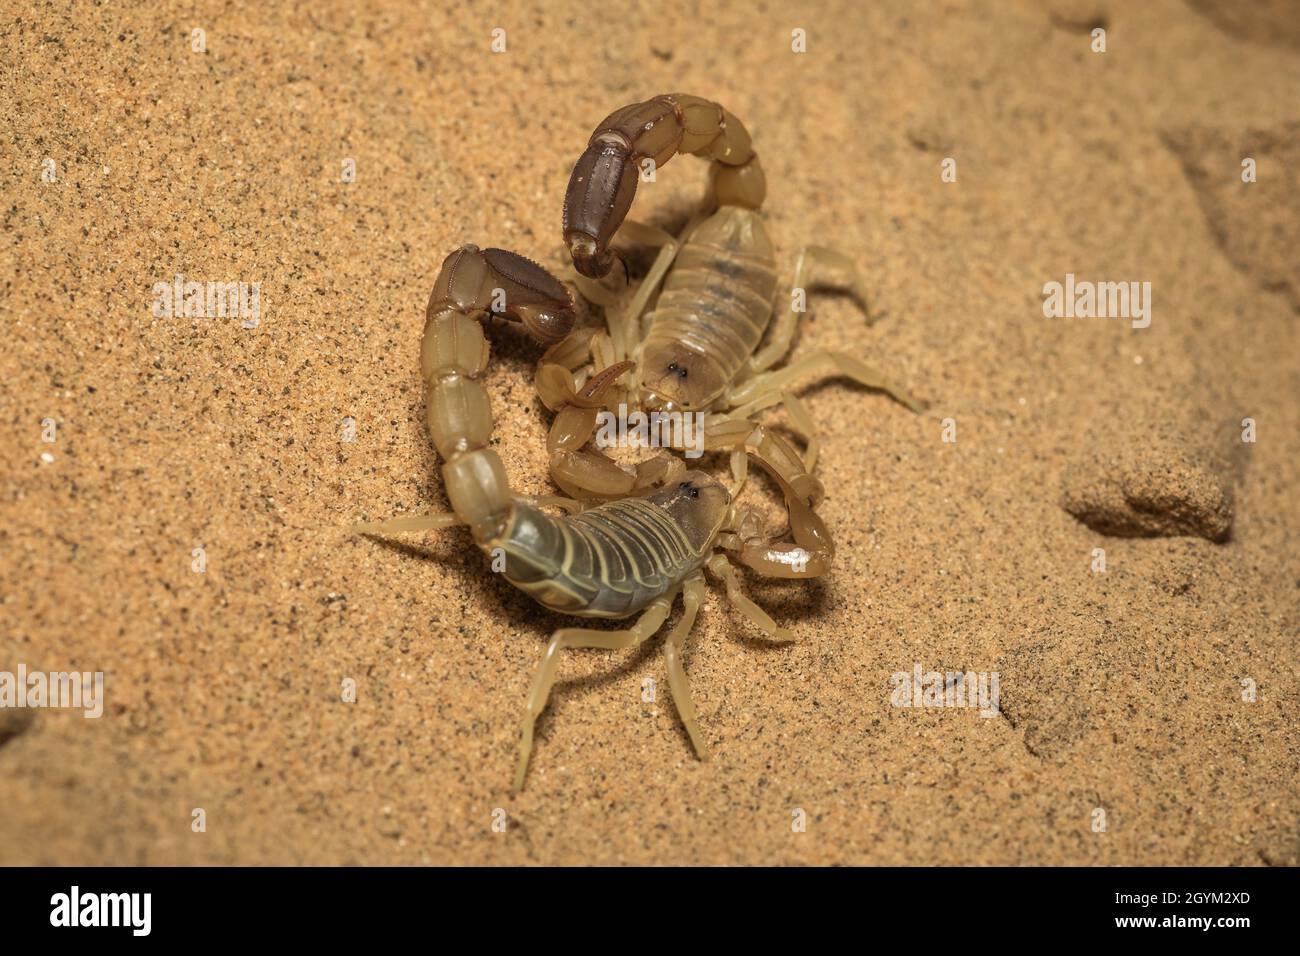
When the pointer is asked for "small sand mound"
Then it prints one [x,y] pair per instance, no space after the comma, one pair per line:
[1257,225]
[1149,480]
[1081,16]
[1274,22]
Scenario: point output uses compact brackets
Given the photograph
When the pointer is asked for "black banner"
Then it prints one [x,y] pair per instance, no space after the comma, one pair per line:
[980,906]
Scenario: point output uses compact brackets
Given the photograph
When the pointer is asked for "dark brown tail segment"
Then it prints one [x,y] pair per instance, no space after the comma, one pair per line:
[603,183]
[600,193]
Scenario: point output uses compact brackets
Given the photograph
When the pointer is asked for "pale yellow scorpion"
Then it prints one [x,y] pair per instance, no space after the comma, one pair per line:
[639,537]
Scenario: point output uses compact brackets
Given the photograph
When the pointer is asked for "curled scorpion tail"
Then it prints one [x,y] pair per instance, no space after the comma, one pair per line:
[603,183]
[454,353]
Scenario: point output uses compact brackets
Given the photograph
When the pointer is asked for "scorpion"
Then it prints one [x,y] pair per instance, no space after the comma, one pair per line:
[698,349]
[630,543]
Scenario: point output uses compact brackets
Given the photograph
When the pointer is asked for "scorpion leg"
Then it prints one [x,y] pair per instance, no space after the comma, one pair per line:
[442,520]
[743,438]
[437,521]
[585,472]
[567,505]
[604,181]
[579,470]
[730,432]
[804,273]
[812,550]
[840,362]
[603,353]
[721,568]
[629,319]
[803,420]
[692,596]
[554,377]
[579,637]
[798,414]
[810,554]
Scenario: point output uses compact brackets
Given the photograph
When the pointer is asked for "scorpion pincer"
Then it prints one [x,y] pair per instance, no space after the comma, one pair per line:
[698,348]
[626,557]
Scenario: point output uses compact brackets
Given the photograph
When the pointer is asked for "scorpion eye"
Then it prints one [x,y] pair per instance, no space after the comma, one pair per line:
[689,488]
[678,370]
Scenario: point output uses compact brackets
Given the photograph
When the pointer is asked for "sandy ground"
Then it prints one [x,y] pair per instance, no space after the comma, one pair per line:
[1125,733]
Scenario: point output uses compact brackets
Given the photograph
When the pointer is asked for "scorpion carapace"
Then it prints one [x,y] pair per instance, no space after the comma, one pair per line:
[624,557]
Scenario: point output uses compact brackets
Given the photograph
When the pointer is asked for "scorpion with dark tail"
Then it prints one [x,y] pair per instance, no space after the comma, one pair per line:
[637,540]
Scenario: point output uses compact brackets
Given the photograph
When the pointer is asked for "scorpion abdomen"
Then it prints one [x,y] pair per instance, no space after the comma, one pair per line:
[610,561]
[717,300]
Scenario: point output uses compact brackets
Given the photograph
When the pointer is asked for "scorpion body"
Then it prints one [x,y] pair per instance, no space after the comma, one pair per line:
[635,541]
[713,309]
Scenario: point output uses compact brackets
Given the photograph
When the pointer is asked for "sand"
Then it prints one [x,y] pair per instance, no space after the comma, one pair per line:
[1123,735]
